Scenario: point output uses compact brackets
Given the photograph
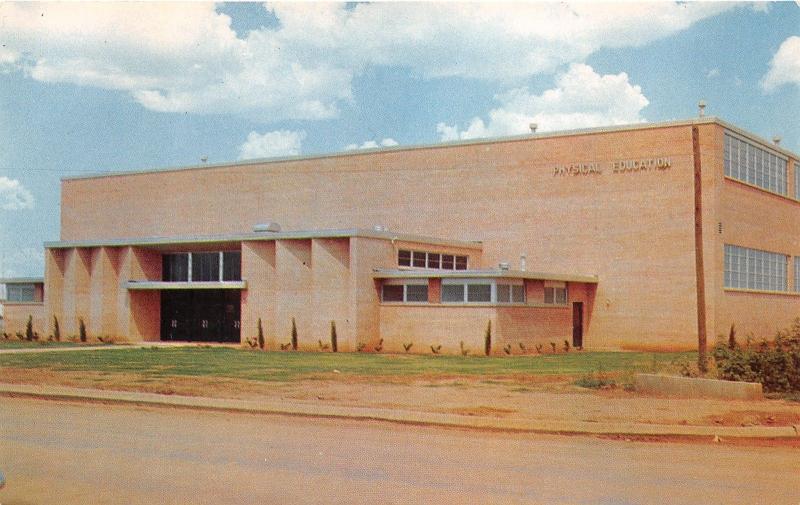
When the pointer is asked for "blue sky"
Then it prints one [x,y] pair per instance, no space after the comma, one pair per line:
[88,88]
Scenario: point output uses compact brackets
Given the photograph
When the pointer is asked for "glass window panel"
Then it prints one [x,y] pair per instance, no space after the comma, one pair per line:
[561,296]
[419,259]
[404,258]
[518,293]
[549,295]
[755,165]
[392,293]
[175,267]
[417,293]
[434,260]
[447,261]
[479,292]
[20,292]
[452,292]
[205,267]
[503,293]
[232,266]
[461,262]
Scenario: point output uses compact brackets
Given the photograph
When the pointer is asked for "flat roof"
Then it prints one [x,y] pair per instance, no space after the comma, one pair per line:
[21,280]
[394,273]
[442,145]
[282,235]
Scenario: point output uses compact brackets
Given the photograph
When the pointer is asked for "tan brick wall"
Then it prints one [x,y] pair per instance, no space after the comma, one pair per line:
[258,300]
[634,230]
[15,319]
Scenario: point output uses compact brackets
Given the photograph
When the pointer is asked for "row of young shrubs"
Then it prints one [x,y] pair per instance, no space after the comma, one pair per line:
[33,336]
[776,364]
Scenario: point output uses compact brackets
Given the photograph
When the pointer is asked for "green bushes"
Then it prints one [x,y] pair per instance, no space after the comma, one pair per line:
[56,329]
[82,329]
[260,335]
[29,329]
[487,344]
[776,365]
[294,335]
[334,339]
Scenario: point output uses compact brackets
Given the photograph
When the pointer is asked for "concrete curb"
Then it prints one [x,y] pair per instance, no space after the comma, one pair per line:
[398,416]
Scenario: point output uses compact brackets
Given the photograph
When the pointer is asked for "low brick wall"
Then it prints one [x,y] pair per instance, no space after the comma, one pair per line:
[16,318]
[687,387]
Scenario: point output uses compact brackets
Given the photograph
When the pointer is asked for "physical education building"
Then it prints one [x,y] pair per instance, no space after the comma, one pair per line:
[634,236]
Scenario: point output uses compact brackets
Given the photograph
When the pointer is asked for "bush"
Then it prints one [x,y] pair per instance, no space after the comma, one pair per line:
[260,335]
[487,344]
[596,381]
[29,328]
[82,329]
[56,329]
[294,335]
[334,346]
[776,366]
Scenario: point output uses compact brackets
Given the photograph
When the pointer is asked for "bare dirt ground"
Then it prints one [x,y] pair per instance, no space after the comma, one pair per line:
[529,397]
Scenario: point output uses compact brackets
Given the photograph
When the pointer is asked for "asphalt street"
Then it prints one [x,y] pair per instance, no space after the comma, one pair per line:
[77,453]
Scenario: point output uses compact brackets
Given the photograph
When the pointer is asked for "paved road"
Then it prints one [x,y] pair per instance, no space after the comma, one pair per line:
[65,453]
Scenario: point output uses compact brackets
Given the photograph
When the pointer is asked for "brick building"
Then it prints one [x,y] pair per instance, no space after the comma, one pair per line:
[611,237]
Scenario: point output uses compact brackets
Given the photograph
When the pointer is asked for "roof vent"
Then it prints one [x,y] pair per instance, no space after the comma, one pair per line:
[503,266]
[533,127]
[776,140]
[701,105]
[269,226]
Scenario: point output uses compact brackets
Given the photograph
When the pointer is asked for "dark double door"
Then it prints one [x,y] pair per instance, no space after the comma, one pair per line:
[201,315]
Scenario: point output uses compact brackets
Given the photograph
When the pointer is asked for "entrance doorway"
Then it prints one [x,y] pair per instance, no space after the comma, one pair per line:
[577,324]
[201,315]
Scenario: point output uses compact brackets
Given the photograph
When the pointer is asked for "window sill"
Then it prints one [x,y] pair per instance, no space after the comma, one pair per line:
[763,190]
[476,304]
[8,302]
[761,292]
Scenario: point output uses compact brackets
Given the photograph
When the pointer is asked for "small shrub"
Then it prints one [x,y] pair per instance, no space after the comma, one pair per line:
[732,338]
[56,329]
[539,348]
[6,335]
[323,347]
[360,346]
[20,335]
[507,349]
[334,346]
[286,346]
[29,328]
[553,346]
[487,344]
[82,329]
[465,350]
[522,347]
[379,347]
[261,343]
[437,349]
[566,346]
[251,342]
[294,335]
[595,381]
[407,347]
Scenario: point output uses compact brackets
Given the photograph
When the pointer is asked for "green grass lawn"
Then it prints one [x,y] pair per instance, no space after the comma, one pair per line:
[25,344]
[285,366]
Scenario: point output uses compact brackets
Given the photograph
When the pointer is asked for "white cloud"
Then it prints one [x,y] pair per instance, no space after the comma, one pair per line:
[714,72]
[272,144]
[785,65]
[185,57]
[581,98]
[13,195]
[371,144]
